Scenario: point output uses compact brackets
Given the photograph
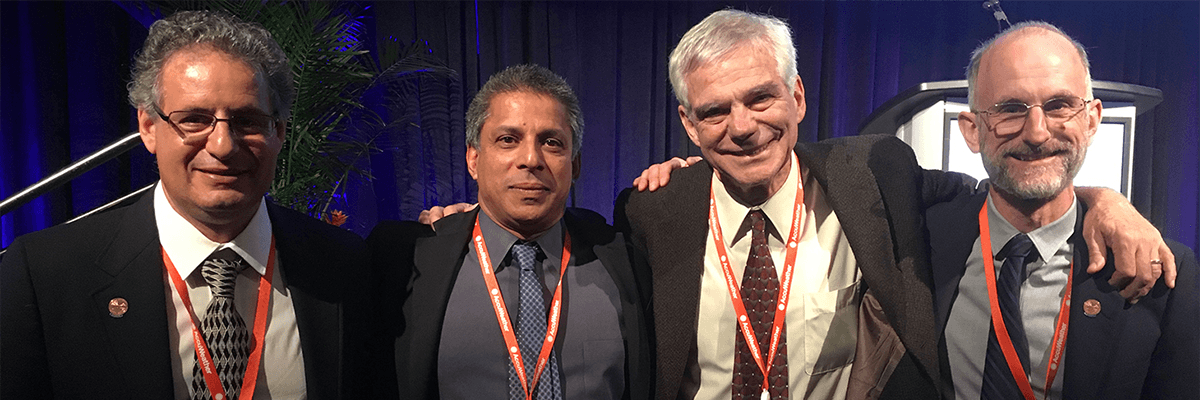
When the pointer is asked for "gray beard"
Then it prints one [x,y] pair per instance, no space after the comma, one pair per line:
[1002,178]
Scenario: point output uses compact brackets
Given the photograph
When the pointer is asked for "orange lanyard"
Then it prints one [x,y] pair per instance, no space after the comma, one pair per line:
[506,328]
[260,330]
[785,284]
[1057,344]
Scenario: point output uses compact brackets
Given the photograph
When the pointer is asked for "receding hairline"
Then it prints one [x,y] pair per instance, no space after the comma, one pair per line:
[198,51]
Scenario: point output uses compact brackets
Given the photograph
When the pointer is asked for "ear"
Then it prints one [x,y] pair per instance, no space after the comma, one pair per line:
[576,165]
[146,128]
[1093,118]
[688,125]
[968,123]
[472,159]
[798,94]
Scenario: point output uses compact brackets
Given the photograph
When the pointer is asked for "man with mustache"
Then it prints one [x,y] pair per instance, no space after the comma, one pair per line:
[202,289]
[809,278]
[522,296]
[1021,317]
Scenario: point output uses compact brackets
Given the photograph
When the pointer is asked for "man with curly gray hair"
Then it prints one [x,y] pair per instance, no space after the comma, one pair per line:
[203,289]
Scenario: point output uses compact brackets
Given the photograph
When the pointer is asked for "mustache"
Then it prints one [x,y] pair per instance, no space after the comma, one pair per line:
[1042,150]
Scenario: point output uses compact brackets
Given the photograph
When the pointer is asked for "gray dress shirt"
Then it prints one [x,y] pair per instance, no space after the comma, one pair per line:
[472,362]
[970,321]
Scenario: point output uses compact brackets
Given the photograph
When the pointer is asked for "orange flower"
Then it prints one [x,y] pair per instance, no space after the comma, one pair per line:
[336,218]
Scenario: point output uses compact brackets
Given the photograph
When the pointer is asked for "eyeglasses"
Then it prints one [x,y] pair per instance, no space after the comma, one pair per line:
[195,126]
[1008,118]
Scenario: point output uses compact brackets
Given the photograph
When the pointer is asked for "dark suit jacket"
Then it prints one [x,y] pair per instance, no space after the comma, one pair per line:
[878,191]
[411,256]
[1147,350]
[57,339]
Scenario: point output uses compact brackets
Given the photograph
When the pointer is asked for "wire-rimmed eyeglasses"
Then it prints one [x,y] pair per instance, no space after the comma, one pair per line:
[195,126]
[1009,117]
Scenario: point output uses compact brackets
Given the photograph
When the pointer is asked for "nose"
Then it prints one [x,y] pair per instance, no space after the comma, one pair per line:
[1037,128]
[530,155]
[742,124]
[222,142]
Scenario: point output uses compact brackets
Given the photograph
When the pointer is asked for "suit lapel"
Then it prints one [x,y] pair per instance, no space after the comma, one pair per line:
[139,340]
[437,261]
[953,229]
[315,295]
[1086,336]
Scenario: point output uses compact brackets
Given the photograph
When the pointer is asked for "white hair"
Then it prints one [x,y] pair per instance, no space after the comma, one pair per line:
[722,32]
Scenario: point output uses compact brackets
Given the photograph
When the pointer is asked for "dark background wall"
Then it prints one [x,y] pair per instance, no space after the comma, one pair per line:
[64,66]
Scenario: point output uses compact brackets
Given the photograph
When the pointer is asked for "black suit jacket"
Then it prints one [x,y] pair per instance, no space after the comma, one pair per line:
[1146,350]
[412,256]
[57,339]
[879,193]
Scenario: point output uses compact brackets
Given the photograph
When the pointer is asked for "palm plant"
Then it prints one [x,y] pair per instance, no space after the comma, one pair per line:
[332,129]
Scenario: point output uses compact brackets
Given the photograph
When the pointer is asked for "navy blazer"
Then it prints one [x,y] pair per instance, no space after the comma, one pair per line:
[1146,350]
[57,339]
[419,269]
[879,193]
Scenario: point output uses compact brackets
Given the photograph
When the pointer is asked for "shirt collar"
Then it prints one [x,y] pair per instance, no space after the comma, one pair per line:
[1046,239]
[778,208]
[187,247]
[500,240]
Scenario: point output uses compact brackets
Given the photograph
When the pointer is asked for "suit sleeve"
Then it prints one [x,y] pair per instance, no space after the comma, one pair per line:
[1175,365]
[24,370]
[391,247]
[939,186]
[636,248]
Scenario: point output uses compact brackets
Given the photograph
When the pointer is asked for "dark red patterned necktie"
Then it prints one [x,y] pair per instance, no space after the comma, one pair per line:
[760,287]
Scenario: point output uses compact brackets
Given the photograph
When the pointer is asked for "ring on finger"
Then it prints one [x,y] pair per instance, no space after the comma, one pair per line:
[1156,262]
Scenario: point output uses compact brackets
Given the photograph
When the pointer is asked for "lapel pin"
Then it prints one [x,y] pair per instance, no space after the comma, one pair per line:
[117,307]
[1091,307]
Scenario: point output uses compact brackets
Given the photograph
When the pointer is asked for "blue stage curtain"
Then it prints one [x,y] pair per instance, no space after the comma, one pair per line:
[852,57]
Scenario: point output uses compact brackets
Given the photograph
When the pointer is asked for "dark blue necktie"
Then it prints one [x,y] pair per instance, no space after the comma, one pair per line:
[531,328]
[998,381]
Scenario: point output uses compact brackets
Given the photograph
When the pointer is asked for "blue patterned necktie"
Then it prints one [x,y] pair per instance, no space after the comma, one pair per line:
[998,381]
[223,329]
[531,328]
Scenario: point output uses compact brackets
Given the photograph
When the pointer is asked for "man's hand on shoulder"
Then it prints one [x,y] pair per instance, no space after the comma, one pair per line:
[658,175]
[428,217]
[1140,255]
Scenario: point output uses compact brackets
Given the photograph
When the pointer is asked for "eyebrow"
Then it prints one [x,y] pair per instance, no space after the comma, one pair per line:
[765,88]
[1056,95]
[771,88]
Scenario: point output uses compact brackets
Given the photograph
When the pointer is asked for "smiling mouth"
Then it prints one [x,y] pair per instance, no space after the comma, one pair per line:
[746,152]
[532,188]
[1030,157]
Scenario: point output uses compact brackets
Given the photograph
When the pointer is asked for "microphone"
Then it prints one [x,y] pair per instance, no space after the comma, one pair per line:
[997,13]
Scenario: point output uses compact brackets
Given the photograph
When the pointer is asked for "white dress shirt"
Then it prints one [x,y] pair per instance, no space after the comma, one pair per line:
[822,314]
[281,372]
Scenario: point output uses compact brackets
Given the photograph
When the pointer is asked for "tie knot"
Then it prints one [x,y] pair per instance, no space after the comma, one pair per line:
[758,220]
[220,270]
[525,254]
[1019,246]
